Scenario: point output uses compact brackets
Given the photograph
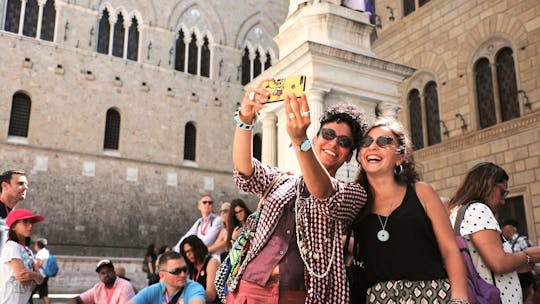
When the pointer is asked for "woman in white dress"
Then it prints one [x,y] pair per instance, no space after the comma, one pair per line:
[18,274]
[485,187]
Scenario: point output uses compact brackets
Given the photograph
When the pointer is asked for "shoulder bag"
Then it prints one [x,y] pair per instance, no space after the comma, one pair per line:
[227,271]
[479,291]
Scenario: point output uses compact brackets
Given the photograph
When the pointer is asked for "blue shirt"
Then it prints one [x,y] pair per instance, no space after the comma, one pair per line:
[155,293]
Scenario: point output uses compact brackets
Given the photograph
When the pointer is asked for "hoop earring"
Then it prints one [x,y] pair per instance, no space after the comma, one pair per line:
[398,170]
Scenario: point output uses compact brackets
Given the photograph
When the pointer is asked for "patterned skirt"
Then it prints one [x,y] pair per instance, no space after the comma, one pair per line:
[410,292]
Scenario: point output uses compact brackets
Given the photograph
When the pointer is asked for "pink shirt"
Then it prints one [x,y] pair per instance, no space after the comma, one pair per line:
[122,292]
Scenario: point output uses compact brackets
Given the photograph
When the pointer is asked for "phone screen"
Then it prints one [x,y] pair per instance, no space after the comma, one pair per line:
[279,88]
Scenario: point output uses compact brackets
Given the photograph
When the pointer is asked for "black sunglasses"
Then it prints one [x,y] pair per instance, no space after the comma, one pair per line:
[176,271]
[207,202]
[381,141]
[344,141]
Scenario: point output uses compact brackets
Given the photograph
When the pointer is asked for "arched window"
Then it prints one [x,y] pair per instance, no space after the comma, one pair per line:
[268,61]
[104,32]
[246,70]
[205,58]
[432,113]
[20,115]
[415,118]
[118,37]
[190,141]
[484,93]
[192,55]
[112,130]
[257,66]
[48,21]
[257,146]
[31,18]
[13,15]
[180,56]
[506,80]
[133,40]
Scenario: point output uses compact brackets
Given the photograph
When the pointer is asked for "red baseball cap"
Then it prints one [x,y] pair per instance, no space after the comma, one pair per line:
[22,214]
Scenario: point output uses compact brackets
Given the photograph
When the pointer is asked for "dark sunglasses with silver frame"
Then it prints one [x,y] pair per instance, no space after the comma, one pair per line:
[176,271]
[344,141]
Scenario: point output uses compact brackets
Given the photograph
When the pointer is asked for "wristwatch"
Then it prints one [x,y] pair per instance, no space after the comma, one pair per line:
[305,145]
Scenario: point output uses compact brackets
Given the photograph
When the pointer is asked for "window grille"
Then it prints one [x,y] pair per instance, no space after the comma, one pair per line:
[415,118]
[13,15]
[190,140]
[48,21]
[180,56]
[20,115]
[104,33]
[432,113]
[118,37]
[133,40]
[112,130]
[484,93]
[30,18]
[506,79]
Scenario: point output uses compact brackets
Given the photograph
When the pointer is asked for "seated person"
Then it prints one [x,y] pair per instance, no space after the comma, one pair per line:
[173,284]
[111,289]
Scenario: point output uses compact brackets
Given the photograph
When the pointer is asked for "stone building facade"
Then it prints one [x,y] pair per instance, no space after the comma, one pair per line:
[121,112]
[475,95]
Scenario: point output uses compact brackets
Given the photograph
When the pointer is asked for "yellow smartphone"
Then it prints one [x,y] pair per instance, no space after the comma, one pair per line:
[279,88]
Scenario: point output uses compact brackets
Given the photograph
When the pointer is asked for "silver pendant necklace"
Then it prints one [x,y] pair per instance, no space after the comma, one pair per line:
[383,235]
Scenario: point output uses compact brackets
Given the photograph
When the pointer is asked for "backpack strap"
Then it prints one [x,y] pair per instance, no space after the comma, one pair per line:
[459,218]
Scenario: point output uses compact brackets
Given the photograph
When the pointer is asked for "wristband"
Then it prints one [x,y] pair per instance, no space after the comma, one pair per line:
[242,124]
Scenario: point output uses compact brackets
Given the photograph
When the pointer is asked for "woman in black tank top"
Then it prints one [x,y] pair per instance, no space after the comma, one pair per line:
[406,243]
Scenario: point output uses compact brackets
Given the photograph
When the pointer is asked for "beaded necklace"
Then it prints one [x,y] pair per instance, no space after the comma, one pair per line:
[303,245]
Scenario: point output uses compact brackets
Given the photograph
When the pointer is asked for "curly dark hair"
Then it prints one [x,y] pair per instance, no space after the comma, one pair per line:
[199,250]
[350,114]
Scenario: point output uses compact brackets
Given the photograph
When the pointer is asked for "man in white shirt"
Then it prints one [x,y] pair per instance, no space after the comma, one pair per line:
[42,255]
[207,227]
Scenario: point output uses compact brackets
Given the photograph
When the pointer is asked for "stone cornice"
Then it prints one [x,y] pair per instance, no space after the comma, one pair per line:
[491,134]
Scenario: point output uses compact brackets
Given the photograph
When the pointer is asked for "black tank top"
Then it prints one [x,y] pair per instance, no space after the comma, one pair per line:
[411,253]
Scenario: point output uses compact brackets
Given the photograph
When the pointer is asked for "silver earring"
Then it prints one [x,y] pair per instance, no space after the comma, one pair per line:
[398,169]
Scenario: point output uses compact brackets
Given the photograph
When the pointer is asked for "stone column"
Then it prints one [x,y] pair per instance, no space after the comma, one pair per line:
[316,108]
[269,138]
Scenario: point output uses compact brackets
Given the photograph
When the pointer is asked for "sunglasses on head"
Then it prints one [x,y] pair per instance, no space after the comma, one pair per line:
[176,271]
[381,141]
[207,202]
[344,141]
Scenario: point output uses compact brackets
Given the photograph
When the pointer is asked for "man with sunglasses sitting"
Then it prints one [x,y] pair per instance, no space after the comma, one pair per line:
[111,289]
[207,227]
[174,285]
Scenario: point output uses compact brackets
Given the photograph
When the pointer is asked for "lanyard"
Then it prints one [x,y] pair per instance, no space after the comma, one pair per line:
[176,298]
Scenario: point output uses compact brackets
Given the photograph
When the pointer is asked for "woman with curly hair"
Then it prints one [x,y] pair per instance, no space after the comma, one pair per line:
[406,243]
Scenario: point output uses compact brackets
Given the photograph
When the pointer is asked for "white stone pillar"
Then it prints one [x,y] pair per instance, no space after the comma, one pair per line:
[200,42]
[21,18]
[269,138]
[39,20]
[126,25]
[316,107]
[187,41]
[112,21]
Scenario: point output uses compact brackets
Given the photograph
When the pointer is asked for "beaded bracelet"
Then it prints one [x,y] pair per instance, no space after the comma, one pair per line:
[529,259]
[242,124]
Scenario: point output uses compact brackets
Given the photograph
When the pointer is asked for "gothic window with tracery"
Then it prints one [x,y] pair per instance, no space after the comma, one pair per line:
[118,37]
[484,93]
[432,113]
[193,51]
[190,141]
[205,58]
[112,130]
[104,33]
[253,68]
[48,21]
[415,118]
[31,18]
[180,55]
[20,115]
[133,40]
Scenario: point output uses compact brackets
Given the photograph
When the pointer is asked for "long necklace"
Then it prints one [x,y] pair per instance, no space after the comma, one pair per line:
[383,235]
[302,243]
